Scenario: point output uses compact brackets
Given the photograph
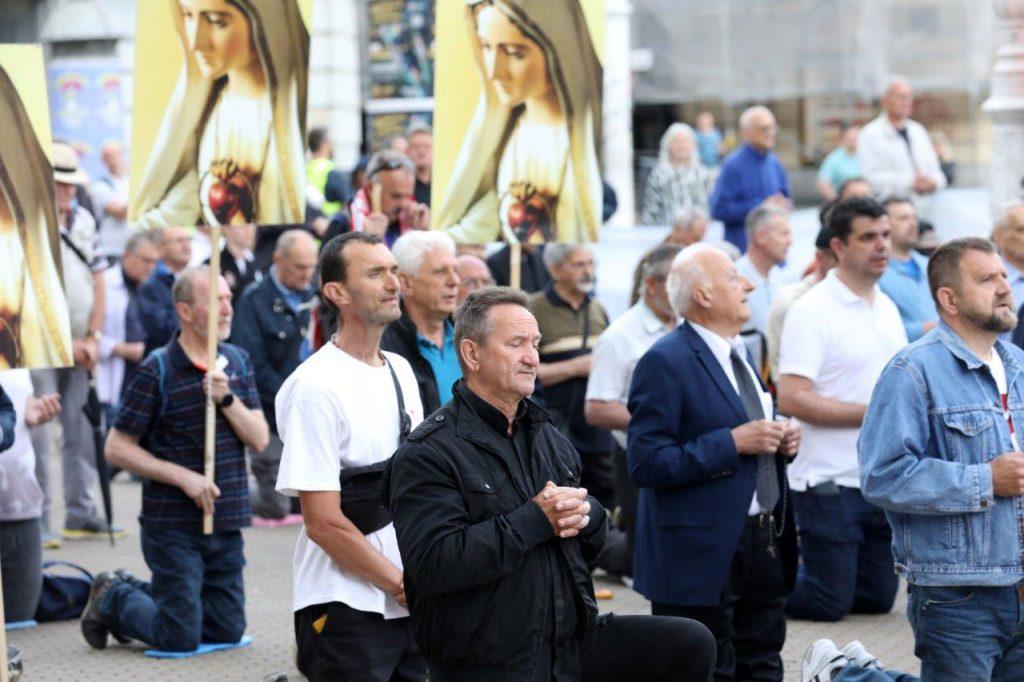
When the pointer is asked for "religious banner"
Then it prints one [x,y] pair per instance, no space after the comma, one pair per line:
[35,327]
[87,106]
[518,132]
[219,117]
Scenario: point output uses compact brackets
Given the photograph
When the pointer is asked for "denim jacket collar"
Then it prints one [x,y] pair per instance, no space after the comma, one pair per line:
[952,341]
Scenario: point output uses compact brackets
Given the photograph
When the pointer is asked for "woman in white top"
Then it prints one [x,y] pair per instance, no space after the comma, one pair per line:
[529,170]
[679,181]
[230,148]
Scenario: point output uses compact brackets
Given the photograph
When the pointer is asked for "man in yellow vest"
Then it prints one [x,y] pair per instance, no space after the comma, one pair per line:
[318,167]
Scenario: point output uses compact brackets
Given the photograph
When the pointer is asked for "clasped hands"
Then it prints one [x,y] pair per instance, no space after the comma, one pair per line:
[566,508]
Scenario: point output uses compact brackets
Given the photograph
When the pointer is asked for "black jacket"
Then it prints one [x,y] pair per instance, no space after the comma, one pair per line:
[270,331]
[400,337]
[475,546]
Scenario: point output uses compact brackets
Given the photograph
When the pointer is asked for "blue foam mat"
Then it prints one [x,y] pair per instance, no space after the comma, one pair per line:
[203,649]
[20,625]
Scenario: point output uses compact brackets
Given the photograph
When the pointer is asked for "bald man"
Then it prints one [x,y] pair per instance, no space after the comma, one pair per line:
[272,322]
[473,274]
[751,175]
[896,153]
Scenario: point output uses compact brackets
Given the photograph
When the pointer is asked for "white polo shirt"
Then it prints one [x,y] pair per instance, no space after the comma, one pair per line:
[335,411]
[616,353]
[841,342]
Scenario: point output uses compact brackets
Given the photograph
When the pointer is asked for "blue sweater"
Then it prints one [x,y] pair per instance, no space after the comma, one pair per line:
[906,283]
[748,177]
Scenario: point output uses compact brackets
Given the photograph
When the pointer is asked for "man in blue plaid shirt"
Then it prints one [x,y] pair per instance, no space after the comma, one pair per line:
[196,592]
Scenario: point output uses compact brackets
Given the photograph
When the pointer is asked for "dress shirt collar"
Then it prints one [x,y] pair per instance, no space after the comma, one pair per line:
[720,346]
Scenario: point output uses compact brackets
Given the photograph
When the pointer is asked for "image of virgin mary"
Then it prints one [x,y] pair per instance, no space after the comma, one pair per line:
[34,324]
[230,146]
[528,169]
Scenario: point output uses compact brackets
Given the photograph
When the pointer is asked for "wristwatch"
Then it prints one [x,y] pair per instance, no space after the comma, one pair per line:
[226,401]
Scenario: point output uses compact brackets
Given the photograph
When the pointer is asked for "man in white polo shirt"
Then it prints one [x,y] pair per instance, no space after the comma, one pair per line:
[345,411]
[835,342]
[616,353]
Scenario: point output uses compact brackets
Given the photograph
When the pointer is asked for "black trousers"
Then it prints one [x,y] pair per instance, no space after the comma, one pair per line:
[749,622]
[598,477]
[634,648]
[355,646]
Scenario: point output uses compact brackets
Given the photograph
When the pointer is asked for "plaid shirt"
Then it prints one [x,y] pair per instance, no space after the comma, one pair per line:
[178,437]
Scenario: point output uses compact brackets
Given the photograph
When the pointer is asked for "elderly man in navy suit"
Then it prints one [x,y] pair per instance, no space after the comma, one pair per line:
[715,537]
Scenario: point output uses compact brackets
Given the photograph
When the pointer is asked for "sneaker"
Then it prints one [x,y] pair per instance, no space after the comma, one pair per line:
[861,657]
[49,540]
[90,529]
[94,625]
[822,661]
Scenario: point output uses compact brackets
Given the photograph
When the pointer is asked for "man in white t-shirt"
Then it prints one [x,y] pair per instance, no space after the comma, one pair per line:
[835,342]
[349,406]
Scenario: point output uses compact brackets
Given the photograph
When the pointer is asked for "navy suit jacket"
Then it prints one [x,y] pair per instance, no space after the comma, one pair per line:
[695,488]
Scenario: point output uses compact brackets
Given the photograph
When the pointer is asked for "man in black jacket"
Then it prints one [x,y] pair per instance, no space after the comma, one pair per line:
[495,533]
[425,335]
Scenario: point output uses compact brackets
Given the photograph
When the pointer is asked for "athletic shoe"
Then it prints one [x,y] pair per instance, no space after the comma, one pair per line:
[49,540]
[822,661]
[94,625]
[861,657]
[91,529]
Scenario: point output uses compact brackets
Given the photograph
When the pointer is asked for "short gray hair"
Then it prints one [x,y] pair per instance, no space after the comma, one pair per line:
[411,248]
[287,241]
[135,242]
[184,289]
[686,216]
[473,318]
[760,216]
[417,127]
[686,275]
[388,159]
[749,113]
[669,135]
[557,252]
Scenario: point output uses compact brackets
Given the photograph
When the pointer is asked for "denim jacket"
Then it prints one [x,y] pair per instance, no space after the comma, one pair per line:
[934,423]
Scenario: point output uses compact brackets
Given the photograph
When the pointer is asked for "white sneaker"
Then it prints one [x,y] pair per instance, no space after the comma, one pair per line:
[861,657]
[821,660]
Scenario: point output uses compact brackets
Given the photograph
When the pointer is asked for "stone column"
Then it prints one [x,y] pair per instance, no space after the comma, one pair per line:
[618,111]
[335,86]
[1005,107]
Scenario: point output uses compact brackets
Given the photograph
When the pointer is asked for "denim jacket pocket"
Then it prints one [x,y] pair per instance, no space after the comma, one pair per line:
[970,436]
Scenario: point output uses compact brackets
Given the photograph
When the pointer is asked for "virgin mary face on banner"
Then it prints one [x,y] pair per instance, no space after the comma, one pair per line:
[528,169]
[34,325]
[230,148]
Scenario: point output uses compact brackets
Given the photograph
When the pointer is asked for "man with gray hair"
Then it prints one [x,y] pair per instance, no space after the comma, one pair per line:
[689,227]
[424,334]
[570,319]
[391,177]
[896,153]
[714,538]
[488,509]
[750,176]
[273,323]
[768,242]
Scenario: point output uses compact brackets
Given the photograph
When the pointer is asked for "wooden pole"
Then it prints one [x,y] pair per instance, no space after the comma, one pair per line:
[212,327]
[3,637]
[515,264]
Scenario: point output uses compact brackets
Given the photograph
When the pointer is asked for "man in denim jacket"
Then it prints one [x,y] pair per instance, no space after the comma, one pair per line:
[938,452]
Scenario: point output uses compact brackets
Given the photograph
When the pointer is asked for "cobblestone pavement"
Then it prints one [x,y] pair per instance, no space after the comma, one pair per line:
[58,652]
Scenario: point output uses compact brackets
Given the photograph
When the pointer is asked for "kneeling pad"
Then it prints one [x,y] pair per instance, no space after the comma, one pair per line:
[203,649]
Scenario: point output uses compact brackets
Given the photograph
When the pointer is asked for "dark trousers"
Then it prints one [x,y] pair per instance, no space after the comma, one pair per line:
[266,501]
[748,623]
[846,556]
[21,555]
[195,595]
[617,554]
[635,648]
[351,645]
[598,477]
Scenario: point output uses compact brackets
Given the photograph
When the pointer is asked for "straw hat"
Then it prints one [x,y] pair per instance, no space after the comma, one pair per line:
[65,165]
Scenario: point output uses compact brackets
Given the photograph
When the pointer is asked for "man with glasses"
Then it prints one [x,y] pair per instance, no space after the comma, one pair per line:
[473,274]
[750,175]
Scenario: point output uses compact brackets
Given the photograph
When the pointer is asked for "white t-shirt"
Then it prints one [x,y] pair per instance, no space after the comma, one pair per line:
[995,365]
[616,353]
[841,342]
[333,412]
[21,498]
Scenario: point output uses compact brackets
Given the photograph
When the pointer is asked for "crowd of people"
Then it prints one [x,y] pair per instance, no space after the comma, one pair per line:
[460,456]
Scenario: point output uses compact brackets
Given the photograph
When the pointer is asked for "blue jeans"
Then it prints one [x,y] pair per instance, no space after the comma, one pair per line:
[852,673]
[846,556]
[967,633]
[196,593]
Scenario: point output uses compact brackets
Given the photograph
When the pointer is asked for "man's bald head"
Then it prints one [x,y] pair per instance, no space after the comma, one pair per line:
[898,99]
[473,275]
[295,259]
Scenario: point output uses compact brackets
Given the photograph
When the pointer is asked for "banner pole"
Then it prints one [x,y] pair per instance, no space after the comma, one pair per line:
[212,326]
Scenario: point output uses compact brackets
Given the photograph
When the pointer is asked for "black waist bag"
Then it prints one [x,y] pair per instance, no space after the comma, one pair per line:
[361,486]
